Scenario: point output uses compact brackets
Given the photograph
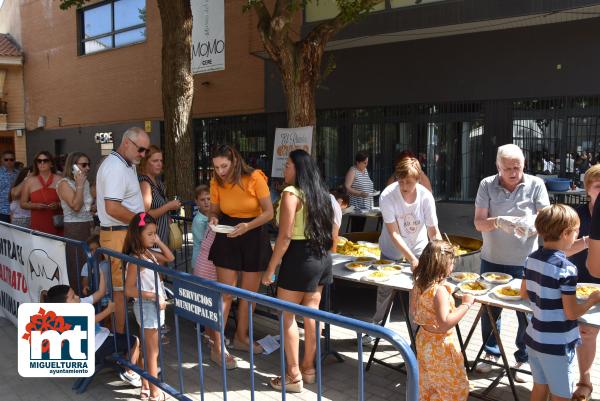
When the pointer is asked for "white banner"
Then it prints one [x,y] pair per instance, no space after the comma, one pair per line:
[29,265]
[286,140]
[208,36]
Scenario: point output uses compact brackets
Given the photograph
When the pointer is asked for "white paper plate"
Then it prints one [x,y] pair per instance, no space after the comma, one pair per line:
[375,278]
[457,277]
[395,268]
[376,193]
[585,297]
[503,297]
[486,277]
[362,268]
[222,229]
[474,292]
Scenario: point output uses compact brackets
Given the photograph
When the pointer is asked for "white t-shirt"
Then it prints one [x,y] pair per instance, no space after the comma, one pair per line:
[411,219]
[101,332]
[117,180]
[337,212]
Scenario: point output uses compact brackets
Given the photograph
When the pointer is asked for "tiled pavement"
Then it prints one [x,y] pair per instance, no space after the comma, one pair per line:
[339,379]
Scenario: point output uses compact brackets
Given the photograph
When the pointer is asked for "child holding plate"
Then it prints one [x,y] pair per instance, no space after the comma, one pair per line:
[442,374]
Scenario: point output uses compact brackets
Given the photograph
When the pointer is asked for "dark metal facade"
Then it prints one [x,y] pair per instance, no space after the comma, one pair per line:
[456,142]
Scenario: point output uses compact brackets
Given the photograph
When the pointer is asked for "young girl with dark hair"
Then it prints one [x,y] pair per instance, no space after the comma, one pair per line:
[141,237]
[305,218]
[239,197]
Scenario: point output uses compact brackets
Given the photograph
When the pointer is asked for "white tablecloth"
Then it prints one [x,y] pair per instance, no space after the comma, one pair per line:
[404,282]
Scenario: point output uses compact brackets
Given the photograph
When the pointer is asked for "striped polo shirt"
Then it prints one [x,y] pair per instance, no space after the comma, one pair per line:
[549,275]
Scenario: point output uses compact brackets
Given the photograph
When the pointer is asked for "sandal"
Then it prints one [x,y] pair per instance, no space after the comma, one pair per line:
[145,394]
[230,361]
[161,397]
[239,345]
[585,396]
[309,376]
[291,385]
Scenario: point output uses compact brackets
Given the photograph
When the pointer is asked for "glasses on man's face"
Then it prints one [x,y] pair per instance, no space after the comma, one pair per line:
[42,161]
[140,149]
[83,165]
[9,159]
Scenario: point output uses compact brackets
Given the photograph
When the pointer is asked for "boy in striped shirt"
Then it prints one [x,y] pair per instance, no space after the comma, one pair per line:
[550,281]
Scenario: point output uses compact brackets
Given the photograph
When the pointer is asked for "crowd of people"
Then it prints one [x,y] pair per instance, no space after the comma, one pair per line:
[512,209]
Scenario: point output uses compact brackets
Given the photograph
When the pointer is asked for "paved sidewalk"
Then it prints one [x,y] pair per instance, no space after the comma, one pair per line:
[340,379]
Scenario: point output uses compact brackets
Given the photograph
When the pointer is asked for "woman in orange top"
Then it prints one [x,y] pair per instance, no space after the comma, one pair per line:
[39,195]
[239,197]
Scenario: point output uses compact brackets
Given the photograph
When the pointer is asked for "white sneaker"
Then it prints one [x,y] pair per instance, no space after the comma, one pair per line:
[367,340]
[520,377]
[484,366]
[132,378]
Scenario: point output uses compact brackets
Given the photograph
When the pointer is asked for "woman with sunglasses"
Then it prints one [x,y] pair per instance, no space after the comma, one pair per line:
[39,195]
[76,201]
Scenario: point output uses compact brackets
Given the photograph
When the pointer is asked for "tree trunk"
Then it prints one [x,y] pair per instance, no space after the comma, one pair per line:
[177,95]
[300,72]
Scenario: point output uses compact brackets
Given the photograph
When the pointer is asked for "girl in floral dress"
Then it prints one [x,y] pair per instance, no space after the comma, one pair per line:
[442,374]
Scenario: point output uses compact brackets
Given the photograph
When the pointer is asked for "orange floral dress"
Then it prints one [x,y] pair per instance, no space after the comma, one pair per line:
[442,374]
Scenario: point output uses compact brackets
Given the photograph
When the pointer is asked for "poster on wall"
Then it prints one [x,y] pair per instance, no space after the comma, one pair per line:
[208,36]
[286,140]
[29,266]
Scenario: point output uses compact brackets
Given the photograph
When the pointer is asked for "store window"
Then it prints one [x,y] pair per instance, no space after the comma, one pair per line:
[112,24]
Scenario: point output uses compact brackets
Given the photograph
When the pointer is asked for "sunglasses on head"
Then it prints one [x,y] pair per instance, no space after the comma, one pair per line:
[140,149]
[9,159]
[84,165]
[42,161]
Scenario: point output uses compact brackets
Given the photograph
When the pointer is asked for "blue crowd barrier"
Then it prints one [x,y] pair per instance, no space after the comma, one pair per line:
[183,256]
[203,287]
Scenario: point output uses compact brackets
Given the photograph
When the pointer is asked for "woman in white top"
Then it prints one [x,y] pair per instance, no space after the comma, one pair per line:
[76,201]
[410,222]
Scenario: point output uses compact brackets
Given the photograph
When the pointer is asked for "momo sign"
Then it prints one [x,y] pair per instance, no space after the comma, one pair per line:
[56,340]
[208,36]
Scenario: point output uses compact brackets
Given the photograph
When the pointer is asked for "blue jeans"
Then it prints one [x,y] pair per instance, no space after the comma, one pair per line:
[491,347]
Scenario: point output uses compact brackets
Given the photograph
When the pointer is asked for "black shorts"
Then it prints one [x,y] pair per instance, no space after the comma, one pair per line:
[250,252]
[302,270]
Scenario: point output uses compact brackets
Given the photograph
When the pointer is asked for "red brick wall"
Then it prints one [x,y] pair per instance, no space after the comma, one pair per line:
[124,84]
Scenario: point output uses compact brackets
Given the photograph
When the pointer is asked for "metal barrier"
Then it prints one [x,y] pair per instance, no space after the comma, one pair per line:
[82,254]
[183,256]
[193,288]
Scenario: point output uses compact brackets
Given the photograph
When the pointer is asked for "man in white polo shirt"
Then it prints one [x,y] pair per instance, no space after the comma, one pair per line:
[119,198]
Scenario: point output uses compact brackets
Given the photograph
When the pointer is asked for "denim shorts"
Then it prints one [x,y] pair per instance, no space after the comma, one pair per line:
[149,312]
[557,371]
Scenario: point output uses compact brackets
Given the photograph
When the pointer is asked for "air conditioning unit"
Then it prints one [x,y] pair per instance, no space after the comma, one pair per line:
[41,122]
